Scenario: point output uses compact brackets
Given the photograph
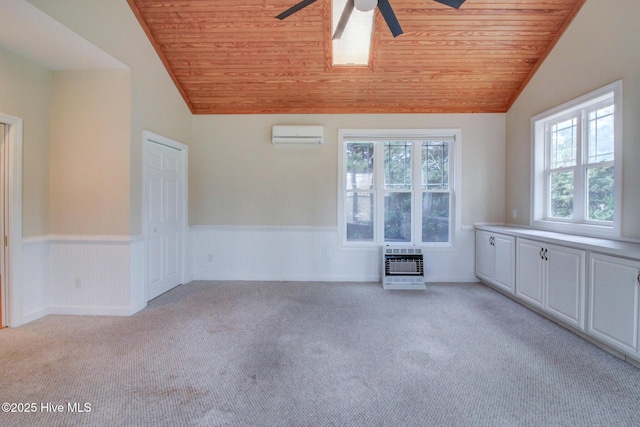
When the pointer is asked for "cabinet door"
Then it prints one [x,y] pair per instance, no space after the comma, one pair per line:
[565,284]
[484,256]
[504,262]
[613,301]
[529,267]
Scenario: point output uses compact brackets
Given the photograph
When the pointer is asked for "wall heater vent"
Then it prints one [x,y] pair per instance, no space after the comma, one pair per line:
[403,268]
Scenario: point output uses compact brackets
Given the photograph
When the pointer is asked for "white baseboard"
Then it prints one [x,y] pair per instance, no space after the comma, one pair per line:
[35,315]
[452,279]
[92,311]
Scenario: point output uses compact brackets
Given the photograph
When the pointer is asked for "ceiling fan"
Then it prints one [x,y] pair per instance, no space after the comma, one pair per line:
[364,6]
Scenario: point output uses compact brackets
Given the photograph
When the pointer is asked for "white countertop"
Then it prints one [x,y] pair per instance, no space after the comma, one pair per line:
[607,246]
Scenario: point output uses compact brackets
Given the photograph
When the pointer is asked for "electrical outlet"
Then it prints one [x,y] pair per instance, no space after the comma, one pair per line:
[77,283]
[514,213]
[210,258]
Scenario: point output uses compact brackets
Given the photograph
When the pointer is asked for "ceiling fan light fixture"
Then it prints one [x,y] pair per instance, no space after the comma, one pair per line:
[366,5]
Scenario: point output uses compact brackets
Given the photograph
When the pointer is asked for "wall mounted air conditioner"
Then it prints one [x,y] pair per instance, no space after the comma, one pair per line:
[282,134]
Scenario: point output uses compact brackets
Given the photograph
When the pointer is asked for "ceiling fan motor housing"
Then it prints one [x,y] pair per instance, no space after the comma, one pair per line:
[365,5]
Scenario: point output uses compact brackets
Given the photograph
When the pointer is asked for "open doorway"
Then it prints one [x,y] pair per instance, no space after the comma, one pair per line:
[3,206]
[10,219]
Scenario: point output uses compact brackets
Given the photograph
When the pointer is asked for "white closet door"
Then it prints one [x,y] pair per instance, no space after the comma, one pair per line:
[164,242]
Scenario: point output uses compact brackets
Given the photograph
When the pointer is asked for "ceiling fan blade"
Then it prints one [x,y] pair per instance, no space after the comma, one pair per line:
[344,18]
[295,8]
[390,17]
[452,3]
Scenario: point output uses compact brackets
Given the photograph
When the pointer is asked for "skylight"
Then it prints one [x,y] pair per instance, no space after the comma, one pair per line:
[354,47]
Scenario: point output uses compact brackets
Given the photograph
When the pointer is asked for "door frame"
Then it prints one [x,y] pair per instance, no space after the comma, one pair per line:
[149,137]
[11,193]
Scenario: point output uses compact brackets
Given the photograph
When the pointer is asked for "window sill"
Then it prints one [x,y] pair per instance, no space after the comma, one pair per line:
[376,246]
[588,230]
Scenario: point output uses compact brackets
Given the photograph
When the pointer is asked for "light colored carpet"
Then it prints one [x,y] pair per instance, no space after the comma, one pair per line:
[316,354]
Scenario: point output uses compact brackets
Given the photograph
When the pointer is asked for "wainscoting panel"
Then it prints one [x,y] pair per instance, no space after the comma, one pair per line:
[138,286]
[308,254]
[35,292]
[104,275]
[93,276]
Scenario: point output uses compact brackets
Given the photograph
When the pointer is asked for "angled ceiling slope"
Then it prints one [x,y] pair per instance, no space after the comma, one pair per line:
[234,57]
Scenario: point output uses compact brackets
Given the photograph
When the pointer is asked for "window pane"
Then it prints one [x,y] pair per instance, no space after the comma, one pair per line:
[563,144]
[359,216]
[601,135]
[397,165]
[435,217]
[600,194]
[397,217]
[359,166]
[561,195]
[435,165]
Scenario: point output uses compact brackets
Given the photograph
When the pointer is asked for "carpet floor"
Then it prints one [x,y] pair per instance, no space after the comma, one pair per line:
[313,354]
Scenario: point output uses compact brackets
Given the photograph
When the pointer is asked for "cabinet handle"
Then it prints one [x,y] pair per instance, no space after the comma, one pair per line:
[544,254]
[492,241]
[638,278]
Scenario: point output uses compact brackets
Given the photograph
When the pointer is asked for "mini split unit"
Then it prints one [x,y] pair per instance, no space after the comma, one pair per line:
[297,134]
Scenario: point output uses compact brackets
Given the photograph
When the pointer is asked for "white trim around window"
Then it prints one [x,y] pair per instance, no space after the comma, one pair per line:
[374,191]
[575,114]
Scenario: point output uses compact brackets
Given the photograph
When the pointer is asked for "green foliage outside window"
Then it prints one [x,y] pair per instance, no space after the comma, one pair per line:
[399,190]
[600,193]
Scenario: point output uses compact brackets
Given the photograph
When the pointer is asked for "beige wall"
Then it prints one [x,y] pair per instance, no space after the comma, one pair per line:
[601,46]
[89,153]
[237,177]
[25,92]
[156,104]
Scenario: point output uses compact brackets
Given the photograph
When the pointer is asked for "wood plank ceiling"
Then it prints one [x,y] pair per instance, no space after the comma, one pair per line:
[234,57]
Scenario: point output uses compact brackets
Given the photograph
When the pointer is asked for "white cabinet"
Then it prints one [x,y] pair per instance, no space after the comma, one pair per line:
[614,287]
[553,278]
[530,271]
[588,284]
[495,259]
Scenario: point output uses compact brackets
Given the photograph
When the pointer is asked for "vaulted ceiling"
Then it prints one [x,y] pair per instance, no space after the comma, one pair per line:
[234,57]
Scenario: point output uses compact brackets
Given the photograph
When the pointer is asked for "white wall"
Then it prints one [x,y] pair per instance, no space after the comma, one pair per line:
[291,253]
[600,47]
[260,211]
[68,195]
[25,92]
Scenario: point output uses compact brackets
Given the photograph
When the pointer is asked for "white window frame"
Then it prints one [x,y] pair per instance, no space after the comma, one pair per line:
[380,135]
[540,197]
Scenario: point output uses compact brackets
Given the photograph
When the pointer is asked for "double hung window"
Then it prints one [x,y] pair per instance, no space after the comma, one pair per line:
[577,164]
[397,187]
